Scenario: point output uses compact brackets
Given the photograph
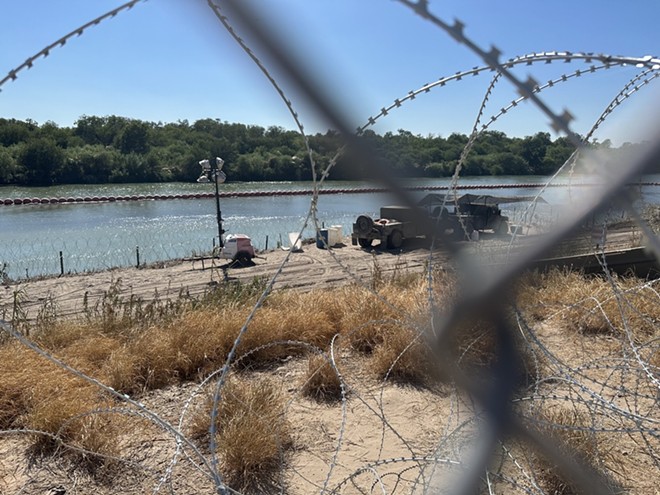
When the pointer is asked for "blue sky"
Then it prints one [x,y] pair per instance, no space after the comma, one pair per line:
[169,60]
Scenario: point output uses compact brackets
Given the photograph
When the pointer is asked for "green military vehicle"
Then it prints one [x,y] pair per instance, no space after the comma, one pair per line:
[455,218]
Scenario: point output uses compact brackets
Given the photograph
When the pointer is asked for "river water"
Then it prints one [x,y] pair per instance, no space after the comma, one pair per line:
[94,236]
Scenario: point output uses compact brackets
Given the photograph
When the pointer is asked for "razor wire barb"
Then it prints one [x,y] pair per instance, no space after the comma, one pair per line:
[493,415]
[60,42]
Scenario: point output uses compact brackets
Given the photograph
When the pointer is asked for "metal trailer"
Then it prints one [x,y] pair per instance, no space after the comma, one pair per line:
[470,212]
[395,224]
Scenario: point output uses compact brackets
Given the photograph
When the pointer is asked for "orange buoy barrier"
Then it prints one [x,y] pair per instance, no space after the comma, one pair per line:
[291,192]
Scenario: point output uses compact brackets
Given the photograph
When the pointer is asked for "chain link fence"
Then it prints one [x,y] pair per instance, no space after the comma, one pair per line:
[478,431]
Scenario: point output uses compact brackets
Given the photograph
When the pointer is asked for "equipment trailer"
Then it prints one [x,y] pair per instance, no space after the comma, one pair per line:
[470,212]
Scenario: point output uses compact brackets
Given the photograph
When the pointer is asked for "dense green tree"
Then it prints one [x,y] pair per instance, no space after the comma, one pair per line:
[117,149]
[556,154]
[533,149]
[14,131]
[60,135]
[10,171]
[99,130]
[41,157]
[511,164]
[133,138]
[91,164]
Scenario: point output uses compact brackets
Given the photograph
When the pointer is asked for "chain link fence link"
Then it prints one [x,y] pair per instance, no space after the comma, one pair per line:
[585,403]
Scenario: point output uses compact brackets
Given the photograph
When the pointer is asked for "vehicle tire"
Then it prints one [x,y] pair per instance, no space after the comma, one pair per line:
[242,259]
[395,240]
[365,243]
[503,228]
[467,230]
[364,224]
[457,233]
[462,232]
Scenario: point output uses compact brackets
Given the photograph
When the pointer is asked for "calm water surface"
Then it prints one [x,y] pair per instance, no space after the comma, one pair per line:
[94,236]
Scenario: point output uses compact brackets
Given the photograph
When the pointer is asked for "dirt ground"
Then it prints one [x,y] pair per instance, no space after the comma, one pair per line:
[310,268]
[382,438]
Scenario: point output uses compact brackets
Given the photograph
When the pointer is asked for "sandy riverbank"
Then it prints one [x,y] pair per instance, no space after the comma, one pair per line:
[310,268]
[305,270]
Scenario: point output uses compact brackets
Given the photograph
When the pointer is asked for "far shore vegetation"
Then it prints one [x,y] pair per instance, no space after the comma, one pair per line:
[113,149]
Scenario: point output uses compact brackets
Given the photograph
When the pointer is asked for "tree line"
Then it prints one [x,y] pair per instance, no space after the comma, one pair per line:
[116,149]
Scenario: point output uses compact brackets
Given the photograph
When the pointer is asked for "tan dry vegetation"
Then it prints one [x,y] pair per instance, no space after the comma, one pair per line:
[592,305]
[404,357]
[37,396]
[381,335]
[570,430]
[322,381]
[252,433]
[368,317]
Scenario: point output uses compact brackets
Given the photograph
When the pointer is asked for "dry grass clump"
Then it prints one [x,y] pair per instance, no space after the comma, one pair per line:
[403,357]
[324,308]
[14,400]
[37,395]
[543,295]
[590,304]
[252,434]
[61,334]
[134,348]
[652,358]
[365,338]
[194,342]
[570,432]
[474,345]
[65,416]
[191,346]
[367,318]
[387,325]
[296,322]
[321,382]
